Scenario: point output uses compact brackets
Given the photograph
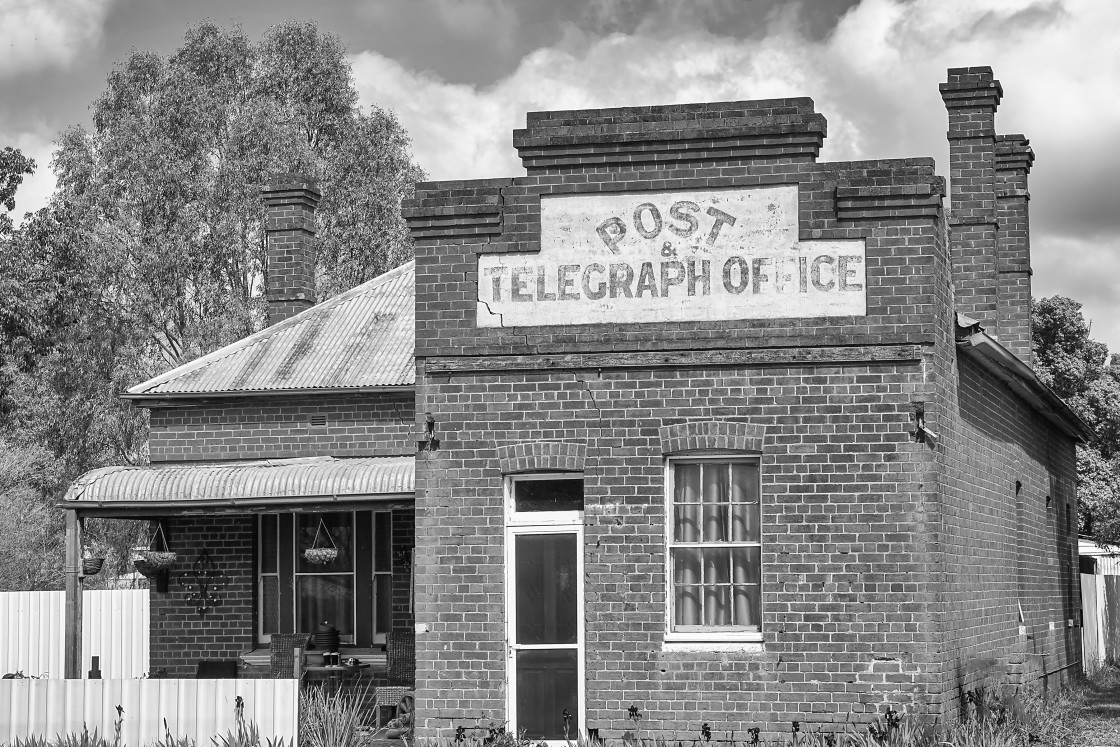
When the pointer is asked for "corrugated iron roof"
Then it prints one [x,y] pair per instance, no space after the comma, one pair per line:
[363,338]
[241,483]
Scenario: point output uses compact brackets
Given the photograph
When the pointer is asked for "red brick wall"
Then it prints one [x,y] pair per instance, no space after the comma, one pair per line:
[180,637]
[847,610]
[281,427]
[1003,544]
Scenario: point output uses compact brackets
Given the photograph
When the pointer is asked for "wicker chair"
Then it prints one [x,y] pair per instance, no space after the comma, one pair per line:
[400,649]
[284,662]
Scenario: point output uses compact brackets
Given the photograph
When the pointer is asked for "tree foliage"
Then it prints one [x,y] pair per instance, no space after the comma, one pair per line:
[1077,368]
[13,167]
[151,251]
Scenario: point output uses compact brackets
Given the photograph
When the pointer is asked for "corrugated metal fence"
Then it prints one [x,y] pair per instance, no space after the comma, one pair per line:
[199,709]
[1100,610]
[114,627]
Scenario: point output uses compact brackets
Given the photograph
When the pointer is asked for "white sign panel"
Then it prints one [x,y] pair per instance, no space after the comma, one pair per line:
[695,255]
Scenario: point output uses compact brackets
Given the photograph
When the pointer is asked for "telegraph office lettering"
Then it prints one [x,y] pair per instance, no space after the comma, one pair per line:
[692,277]
[694,255]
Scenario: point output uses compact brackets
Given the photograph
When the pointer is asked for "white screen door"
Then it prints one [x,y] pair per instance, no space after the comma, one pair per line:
[544,601]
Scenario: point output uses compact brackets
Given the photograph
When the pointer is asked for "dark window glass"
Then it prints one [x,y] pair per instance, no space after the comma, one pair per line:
[269,542]
[270,605]
[547,582]
[384,606]
[383,542]
[325,599]
[548,495]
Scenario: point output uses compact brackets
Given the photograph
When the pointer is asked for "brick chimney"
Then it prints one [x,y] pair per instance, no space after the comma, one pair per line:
[971,96]
[1013,256]
[290,202]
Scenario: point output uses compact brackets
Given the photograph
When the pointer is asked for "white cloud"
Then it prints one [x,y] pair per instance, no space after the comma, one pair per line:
[875,79]
[36,34]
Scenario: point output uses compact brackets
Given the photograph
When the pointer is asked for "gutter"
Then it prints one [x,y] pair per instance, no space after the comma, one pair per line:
[162,398]
[1021,378]
[236,506]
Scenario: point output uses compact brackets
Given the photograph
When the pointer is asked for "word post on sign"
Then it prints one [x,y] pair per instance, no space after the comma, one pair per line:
[695,255]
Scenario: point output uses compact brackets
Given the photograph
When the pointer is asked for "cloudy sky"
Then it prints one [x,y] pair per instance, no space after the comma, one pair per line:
[462,73]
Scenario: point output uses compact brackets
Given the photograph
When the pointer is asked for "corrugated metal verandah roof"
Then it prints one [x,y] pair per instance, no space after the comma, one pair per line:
[242,486]
[363,338]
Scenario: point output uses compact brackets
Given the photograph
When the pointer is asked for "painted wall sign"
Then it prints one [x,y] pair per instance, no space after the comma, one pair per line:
[696,255]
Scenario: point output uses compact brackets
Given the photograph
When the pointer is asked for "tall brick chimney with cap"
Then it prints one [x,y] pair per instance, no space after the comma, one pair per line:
[290,201]
[971,96]
[1013,255]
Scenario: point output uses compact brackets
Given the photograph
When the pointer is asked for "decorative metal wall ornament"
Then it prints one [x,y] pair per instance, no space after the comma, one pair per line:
[205,581]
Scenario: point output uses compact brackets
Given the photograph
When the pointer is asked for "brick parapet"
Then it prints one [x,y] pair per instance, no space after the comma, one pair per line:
[779,129]
[899,201]
[894,258]
[458,210]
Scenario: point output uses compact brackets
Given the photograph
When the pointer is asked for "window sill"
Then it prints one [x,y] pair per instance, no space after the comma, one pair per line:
[743,647]
[260,657]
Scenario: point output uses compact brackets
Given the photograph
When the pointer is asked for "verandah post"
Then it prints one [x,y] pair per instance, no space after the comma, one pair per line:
[72,571]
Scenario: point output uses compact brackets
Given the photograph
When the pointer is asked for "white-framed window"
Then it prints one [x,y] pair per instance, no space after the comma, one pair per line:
[354,592]
[544,606]
[714,558]
[544,499]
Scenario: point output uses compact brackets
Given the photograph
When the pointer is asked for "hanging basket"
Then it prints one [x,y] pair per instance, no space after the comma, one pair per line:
[151,561]
[92,566]
[321,554]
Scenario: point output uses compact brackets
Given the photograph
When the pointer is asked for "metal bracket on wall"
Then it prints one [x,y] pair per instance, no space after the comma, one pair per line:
[430,443]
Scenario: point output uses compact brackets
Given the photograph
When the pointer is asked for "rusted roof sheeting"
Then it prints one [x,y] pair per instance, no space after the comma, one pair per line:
[363,338]
[239,482]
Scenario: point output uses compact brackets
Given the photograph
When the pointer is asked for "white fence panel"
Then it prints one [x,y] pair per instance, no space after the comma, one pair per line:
[114,627]
[1092,631]
[199,709]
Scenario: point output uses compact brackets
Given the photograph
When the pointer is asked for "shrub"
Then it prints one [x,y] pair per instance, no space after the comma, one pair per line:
[330,720]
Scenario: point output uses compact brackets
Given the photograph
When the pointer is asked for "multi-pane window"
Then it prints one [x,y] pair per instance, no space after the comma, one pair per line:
[353,591]
[715,553]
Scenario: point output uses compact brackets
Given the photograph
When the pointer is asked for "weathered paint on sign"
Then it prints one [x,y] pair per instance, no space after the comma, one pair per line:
[697,255]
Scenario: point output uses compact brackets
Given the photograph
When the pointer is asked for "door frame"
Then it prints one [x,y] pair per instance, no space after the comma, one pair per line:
[542,522]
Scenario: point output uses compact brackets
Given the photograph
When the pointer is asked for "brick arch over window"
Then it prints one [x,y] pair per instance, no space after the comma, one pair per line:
[542,456]
[705,435]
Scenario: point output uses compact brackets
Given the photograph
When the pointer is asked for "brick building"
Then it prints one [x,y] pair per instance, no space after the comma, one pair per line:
[697,425]
[732,435]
